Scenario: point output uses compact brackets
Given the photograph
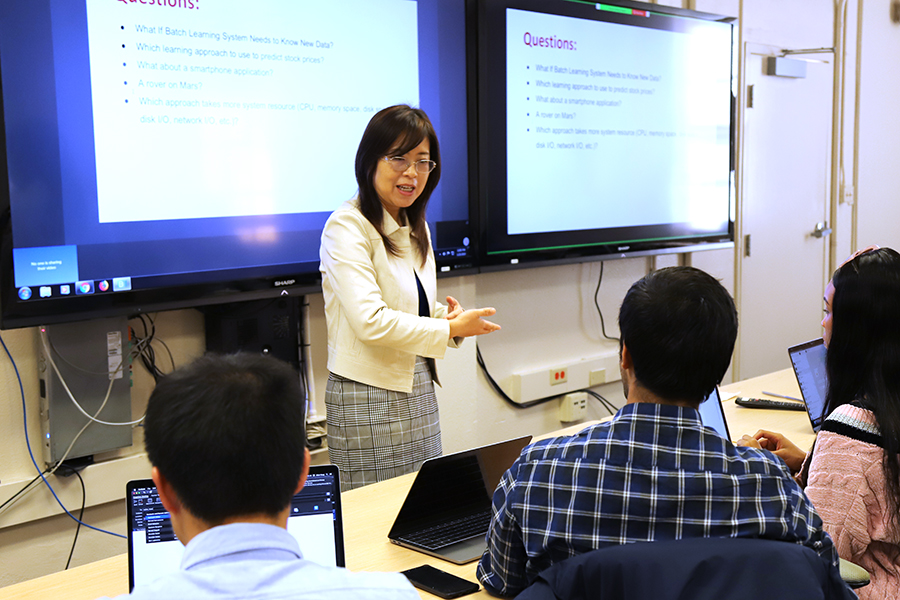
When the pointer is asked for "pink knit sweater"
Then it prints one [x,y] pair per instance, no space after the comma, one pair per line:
[847,486]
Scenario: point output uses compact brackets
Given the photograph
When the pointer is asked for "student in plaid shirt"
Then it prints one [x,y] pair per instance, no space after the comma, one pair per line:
[653,472]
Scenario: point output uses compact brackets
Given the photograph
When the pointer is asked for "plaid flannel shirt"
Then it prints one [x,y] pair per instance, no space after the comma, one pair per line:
[653,472]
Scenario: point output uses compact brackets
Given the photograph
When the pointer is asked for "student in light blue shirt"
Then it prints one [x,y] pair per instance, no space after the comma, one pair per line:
[226,436]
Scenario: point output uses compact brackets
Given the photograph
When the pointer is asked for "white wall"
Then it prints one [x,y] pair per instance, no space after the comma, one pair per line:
[878,198]
[547,316]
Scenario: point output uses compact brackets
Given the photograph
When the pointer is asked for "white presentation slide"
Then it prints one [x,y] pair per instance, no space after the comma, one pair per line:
[234,108]
[604,119]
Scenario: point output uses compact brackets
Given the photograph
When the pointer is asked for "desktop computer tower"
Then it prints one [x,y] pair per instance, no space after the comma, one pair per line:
[93,358]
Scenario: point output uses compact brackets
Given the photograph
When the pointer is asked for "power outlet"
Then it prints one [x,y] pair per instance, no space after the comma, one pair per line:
[562,377]
[559,375]
[573,407]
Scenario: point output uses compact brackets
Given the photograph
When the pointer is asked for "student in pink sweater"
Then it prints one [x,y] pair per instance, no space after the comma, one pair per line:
[852,474]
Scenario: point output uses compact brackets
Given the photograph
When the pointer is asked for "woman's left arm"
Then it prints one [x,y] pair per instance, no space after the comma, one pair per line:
[449,312]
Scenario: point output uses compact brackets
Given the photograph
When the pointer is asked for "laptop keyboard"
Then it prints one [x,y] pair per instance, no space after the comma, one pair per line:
[441,536]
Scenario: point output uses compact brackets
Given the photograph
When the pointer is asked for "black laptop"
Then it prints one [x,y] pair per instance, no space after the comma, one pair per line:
[315,520]
[808,360]
[448,508]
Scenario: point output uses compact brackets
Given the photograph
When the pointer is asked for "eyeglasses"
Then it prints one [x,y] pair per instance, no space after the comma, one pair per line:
[400,164]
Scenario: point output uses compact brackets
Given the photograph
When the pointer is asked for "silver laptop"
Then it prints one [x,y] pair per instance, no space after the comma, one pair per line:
[315,520]
[448,508]
[808,360]
[712,414]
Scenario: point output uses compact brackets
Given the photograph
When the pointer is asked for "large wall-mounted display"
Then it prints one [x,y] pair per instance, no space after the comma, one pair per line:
[604,130]
[165,154]
[171,153]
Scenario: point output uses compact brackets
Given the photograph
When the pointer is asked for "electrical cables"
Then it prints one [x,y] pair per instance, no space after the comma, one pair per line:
[597,304]
[12,499]
[498,390]
[147,353]
[609,406]
[80,514]
[31,453]
[304,357]
[139,349]
[142,348]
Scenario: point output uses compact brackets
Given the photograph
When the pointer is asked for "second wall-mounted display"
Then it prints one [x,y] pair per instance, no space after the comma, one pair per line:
[604,130]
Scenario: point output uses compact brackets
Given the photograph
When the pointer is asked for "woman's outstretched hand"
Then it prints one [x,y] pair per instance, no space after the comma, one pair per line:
[453,308]
[467,323]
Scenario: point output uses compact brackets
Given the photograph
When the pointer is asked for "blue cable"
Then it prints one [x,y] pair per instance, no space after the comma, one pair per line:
[31,454]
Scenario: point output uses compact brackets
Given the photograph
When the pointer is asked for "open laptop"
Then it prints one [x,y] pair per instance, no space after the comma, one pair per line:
[712,414]
[315,520]
[808,360]
[448,508]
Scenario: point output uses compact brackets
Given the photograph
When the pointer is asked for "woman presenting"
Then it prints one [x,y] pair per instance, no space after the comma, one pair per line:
[385,326]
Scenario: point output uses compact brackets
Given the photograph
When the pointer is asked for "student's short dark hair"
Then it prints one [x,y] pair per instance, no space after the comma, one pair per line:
[679,325]
[229,433]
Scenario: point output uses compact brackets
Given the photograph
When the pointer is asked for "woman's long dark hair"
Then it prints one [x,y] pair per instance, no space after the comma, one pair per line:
[863,360]
[394,131]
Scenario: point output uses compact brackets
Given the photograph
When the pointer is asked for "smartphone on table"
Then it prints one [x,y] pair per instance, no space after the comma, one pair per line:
[440,583]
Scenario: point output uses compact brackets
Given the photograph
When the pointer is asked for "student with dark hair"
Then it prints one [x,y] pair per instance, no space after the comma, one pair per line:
[852,474]
[226,436]
[385,325]
[653,472]
[680,326]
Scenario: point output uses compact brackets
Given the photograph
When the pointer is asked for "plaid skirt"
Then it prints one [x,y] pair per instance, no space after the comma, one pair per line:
[375,434]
